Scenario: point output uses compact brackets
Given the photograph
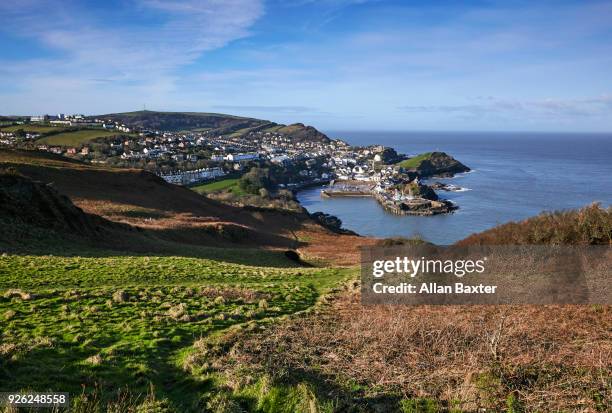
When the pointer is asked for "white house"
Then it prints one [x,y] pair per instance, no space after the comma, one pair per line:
[238,157]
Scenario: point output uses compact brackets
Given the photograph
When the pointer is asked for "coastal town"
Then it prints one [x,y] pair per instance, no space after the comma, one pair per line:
[191,157]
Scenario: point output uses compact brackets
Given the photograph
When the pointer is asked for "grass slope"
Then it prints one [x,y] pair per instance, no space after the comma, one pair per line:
[134,323]
[33,128]
[119,330]
[76,138]
[415,161]
[97,327]
[230,185]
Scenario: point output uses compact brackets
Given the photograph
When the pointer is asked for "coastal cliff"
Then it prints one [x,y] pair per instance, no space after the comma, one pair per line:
[433,164]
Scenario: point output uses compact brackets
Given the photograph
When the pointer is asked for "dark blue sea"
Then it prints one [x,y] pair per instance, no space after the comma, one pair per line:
[515,176]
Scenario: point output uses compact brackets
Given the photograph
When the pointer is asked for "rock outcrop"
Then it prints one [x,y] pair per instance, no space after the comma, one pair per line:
[433,164]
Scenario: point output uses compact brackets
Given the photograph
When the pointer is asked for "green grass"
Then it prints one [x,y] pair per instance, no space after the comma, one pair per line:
[33,128]
[415,161]
[94,325]
[242,131]
[230,185]
[76,138]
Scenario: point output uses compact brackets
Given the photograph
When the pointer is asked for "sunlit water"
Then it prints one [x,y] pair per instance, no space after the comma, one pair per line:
[514,176]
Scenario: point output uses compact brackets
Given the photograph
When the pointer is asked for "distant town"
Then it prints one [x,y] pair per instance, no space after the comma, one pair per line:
[191,157]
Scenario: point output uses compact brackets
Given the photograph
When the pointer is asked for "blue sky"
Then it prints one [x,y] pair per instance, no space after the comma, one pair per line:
[335,64]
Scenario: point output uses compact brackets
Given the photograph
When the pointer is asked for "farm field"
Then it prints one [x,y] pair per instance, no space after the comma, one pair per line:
[33,128]
[230,184]
[76,138]
[124,331]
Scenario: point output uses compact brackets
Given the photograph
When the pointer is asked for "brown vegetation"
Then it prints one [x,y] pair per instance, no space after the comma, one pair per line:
[499,358]
[591,225]
[176,214]
[467,357]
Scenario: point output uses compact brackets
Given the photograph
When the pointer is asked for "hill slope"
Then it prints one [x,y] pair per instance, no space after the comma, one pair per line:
[218,123]
[591,225]
[170,217]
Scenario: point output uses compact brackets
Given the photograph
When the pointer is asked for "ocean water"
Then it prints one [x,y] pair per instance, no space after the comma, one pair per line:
[515,176]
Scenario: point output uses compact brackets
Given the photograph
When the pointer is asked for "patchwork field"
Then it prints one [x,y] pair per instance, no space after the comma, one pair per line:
[119,332]
[76,138]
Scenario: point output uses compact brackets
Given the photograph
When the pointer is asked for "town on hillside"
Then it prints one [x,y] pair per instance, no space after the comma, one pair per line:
[193,157]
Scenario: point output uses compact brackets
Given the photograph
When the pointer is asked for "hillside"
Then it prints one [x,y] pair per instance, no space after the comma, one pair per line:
[215,122]
[445,358]
[433,164]
[76,137]
[171,217]
[62,135]
[591,225]
[89,307]
[123,285]
[39,205]
[108,292]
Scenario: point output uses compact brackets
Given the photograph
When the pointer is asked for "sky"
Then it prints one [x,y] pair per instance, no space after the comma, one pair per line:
[334,64]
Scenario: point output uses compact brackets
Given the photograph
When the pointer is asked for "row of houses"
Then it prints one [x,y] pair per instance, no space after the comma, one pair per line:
[194,176]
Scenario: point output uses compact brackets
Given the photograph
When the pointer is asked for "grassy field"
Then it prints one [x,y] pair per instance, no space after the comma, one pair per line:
[120,316]
[414,162]
[76,138]
[32,128]
[121,331]
[230,185]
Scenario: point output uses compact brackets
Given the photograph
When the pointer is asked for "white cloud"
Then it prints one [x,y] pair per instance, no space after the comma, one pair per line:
[87,49]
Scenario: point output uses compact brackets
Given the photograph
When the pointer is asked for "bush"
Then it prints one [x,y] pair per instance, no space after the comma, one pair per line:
[591,225]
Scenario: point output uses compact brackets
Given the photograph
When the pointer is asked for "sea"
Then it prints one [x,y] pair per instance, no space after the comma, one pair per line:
[514,176]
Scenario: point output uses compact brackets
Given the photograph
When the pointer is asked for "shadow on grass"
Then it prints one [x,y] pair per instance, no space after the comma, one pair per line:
[37,242]
[65,368]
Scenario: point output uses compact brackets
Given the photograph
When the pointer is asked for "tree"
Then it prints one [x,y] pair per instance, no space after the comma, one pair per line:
[254,180]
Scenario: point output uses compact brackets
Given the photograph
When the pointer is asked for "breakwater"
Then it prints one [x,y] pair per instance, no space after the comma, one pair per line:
[388,199]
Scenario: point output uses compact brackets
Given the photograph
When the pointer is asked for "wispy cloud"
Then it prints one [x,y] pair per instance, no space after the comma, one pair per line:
[268,109]
[143,55]
[600,106]
[286,61]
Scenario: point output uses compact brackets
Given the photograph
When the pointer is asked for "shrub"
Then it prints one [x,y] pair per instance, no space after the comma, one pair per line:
[591,225]
[120,296]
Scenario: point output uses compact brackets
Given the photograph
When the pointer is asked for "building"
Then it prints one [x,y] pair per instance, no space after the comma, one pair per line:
[39,118]
[281,159]
[241,157]
[190,177]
